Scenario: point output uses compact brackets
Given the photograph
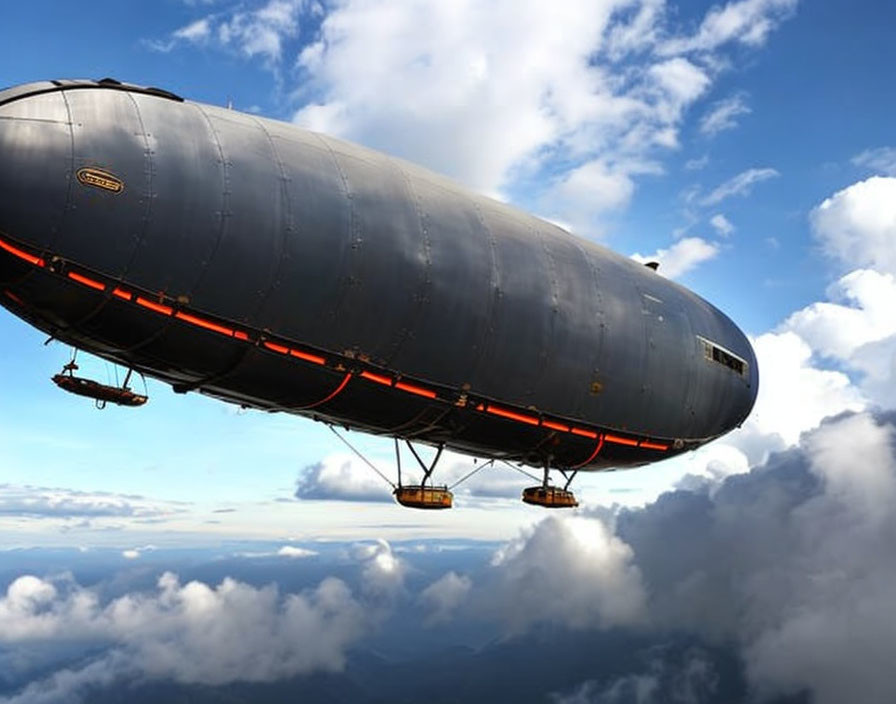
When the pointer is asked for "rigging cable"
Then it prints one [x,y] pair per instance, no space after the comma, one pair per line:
[470,474]
[363,458]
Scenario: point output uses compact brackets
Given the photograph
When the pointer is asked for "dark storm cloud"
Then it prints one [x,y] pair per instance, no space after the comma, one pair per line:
[792,563]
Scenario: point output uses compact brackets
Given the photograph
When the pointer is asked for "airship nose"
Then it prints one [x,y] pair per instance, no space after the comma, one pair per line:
[731,363]
[35,163]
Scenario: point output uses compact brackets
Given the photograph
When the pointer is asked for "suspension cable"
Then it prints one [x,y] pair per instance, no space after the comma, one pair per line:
[470,474]
[363,458]
[522,471]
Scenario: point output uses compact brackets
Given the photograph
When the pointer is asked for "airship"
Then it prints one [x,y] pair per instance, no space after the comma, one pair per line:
[285,270]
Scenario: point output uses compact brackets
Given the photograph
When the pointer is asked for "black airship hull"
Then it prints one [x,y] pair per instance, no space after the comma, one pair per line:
[284,270]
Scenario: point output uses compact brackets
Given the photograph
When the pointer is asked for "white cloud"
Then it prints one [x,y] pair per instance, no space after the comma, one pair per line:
[192,633]
[882,161]
[441,598]
[721,224]
[577,558]
[507,92]
[49,503]
[294,552]
[858,224]
[197,31]
[739,185]
[681,257]
[384,571]
[794,394]
[723,115]
[343,478]
[747,22]
[260,32]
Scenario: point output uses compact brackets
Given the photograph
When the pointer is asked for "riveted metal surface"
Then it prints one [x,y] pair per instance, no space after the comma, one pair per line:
[311,266]
[36,158]
[385,258]
[103,227]
[452,317]
[242,265]
[168,256]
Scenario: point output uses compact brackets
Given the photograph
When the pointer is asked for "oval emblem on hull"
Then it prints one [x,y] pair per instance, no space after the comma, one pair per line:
[100,179]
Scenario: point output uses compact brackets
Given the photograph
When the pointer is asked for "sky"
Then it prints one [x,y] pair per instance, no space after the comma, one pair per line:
[747,145]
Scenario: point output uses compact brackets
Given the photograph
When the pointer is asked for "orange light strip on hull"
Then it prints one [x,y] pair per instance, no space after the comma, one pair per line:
[377,378]
[90,283]
[621,441]
[313,358]
[417,390]
[584,433]
[556,426]
[157,307]
[511,415]
[24,256]
[653,446]
[202,323]
[317,359]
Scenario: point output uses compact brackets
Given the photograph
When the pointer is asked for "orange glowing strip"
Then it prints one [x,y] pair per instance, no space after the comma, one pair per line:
[600,444]
[621,441]
[584,433]
[202,323]
[14,297]
[16,252]
[418,390]
[332,395]
[240,335]
[555,426]
[87,282]
[308,357]
[277,348]
[157,307]
[653,446]
[378,378]
[519,417]
[121,293]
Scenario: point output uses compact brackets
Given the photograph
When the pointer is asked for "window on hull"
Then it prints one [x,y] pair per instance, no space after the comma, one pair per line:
[726,358]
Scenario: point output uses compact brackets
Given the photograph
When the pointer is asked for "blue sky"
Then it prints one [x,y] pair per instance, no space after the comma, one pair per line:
[746,118]
[193,550]
[737,122]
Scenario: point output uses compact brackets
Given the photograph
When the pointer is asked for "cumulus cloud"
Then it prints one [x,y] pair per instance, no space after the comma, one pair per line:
[791,563]
[681,257]
[739,185]
[497,94]
[578,559]
[441,598]
[341,478]
[857,225]
[384,572]
[882,161]
[723,115]
[188,633]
